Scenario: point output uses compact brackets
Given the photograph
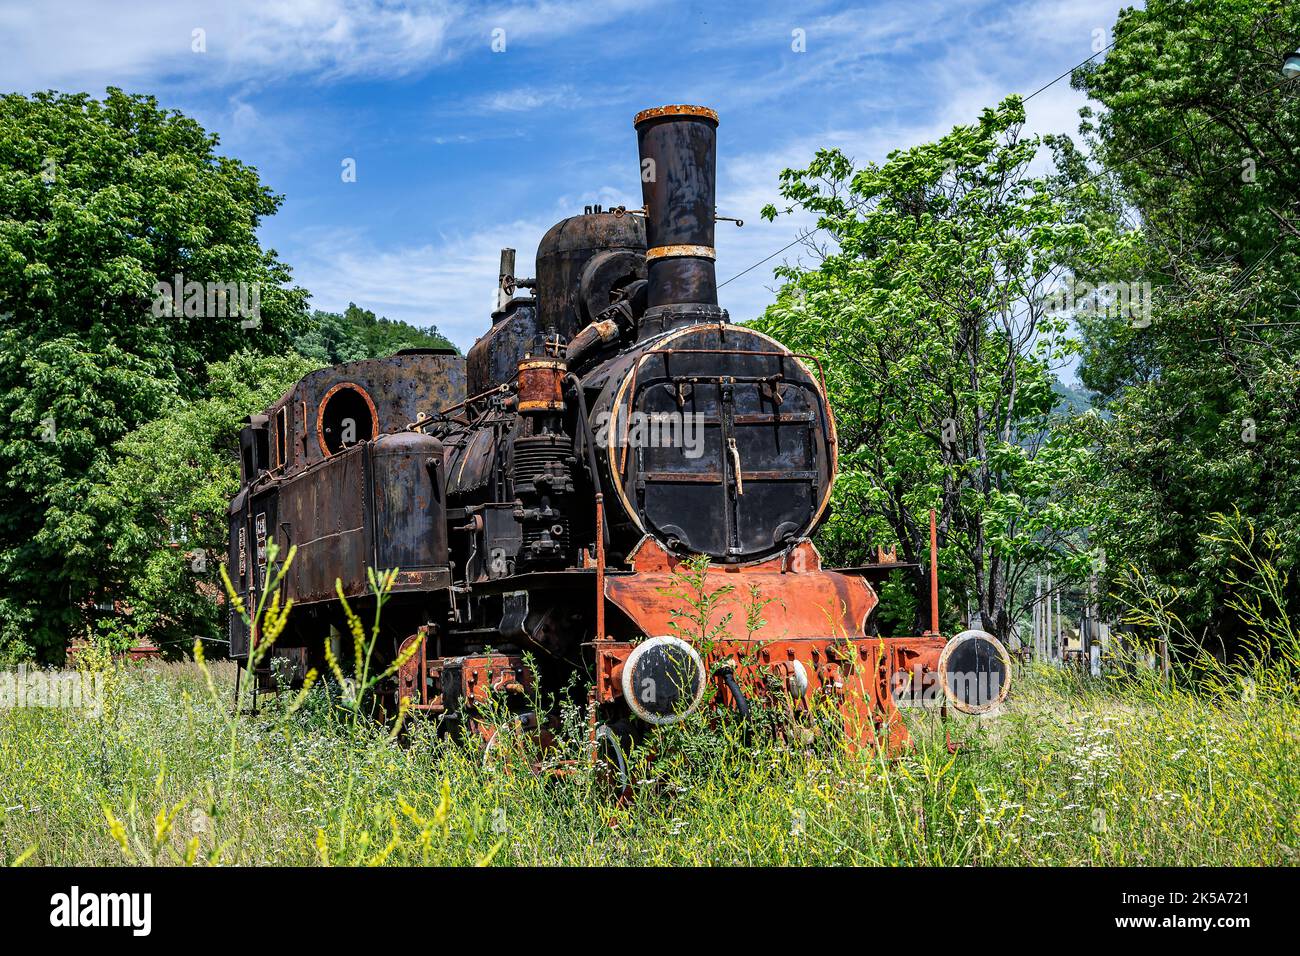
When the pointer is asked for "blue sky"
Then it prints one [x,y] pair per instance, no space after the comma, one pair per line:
[460,150]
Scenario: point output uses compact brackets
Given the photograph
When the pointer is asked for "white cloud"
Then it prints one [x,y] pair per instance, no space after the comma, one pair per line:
[528,98]
[981,62]
[90,45]
[450,282]
[875,77]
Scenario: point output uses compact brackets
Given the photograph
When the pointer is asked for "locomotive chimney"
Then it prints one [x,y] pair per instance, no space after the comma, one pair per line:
[678,148]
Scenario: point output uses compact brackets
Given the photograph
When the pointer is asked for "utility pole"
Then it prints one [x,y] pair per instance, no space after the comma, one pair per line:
[1060,629]
[1094,626]
[1051,644]
[1037,617]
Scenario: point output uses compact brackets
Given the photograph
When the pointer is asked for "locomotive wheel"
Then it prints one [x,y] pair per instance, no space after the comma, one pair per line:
[611,758]
[505,738]
[523,738]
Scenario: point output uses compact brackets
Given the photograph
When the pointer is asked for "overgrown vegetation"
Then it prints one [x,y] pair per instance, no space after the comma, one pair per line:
[100,200]
[1115,773]
[929,314]
[1192,169]
[933,316]
[357,333]
[1133,768]
[160,509]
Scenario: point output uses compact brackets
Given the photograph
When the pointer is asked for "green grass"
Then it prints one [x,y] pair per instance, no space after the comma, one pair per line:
[1072,772]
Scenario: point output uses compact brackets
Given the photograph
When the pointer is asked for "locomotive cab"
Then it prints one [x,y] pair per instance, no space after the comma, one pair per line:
[334,471]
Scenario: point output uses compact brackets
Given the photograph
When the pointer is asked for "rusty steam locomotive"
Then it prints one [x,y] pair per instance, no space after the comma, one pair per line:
[540,495]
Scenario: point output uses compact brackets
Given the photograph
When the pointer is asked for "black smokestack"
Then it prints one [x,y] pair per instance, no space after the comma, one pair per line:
[678,147]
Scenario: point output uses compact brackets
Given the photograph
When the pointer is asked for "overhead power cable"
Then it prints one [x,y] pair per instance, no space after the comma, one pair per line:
[1113,166]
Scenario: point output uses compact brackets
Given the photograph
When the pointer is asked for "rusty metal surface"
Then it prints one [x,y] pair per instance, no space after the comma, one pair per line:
[494,358]
[805,600]
[398,388]
[409,502]
[419,680]
[465,684]
[860,677]
[380,504]
[541,385]
[667,252]
[323,512]
[677,109]
[323,425]
[815,630]
[678,150]
[606,276]
[472,465]
[753,403]
[564,253]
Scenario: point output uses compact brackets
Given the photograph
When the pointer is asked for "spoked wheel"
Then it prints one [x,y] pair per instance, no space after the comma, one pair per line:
[524,740]
[611,759]
[512,739]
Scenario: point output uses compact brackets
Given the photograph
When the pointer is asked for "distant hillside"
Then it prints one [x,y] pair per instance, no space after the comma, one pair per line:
[1070,401]
[357,334]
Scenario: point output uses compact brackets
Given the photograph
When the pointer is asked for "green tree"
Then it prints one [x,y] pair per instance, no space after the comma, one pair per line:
[331,340]
[334,337]
[1195,149]
[160,506]
[929,317]
[100,201]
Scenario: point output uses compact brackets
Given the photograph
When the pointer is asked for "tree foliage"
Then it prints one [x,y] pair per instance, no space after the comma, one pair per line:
[99,201]
[928,316]
[1195,152]
[357,333]
[160,506]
